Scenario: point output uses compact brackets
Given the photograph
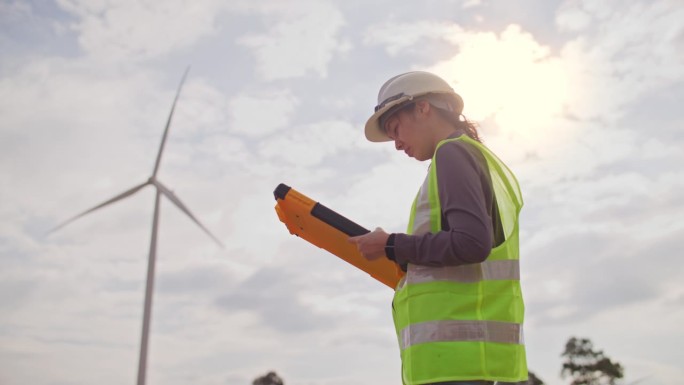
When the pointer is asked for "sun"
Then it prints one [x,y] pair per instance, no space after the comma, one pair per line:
[510,80]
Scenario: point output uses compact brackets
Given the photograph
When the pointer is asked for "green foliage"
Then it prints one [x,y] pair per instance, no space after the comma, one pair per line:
[271,378]
[532,379]
[587,366]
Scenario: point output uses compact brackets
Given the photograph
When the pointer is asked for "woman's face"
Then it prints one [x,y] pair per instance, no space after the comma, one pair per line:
[407,129]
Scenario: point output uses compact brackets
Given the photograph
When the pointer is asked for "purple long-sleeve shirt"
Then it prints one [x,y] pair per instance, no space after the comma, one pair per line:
[468,206]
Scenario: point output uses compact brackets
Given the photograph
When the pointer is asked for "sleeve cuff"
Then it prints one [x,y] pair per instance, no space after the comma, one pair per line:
[389,248]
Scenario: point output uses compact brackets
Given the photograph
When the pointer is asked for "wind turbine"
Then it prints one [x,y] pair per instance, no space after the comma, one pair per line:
[161,190]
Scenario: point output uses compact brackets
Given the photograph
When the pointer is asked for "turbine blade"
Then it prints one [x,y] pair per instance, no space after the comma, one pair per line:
[173,198]
[123,195]
[168,124]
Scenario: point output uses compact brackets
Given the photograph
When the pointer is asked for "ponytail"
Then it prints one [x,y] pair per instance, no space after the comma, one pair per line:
[460,122]
[470,129]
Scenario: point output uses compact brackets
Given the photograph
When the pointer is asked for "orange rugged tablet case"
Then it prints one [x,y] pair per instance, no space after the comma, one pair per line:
[329,230]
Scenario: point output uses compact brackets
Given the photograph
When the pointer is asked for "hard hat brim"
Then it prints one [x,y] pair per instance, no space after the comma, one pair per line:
[375,133]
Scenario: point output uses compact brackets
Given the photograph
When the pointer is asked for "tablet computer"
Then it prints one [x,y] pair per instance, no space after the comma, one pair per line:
[329,230]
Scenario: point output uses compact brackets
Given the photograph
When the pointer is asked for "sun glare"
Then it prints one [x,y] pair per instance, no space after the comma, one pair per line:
[509,79]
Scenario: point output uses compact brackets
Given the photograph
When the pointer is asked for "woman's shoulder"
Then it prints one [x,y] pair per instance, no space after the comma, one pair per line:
[458,149]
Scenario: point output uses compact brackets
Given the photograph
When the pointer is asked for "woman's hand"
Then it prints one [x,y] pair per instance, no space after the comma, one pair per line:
[371,245]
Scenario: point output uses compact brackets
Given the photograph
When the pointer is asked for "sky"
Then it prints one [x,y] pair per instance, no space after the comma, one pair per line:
[580,98]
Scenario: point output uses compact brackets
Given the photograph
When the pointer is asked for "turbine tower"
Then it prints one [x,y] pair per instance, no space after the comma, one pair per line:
[161,190]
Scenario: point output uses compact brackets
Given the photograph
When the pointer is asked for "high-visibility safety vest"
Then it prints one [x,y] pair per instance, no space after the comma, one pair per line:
[463,322]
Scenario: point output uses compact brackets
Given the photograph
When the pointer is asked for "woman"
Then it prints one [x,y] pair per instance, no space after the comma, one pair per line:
[458,312]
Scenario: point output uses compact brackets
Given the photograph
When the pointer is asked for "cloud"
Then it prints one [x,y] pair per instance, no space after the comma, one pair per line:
[194,279]
[257,115]
[15,292]
[202,110]
[271,293]
[616,61]
[609,203]
[572,17]
[137,30]
[610,228]
[297,27]
[24,22]
[471,3]
[51,105]
[310,144]
[15,11]
[404,38]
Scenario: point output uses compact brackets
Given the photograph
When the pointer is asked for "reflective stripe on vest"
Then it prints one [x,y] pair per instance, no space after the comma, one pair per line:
[457,330]
[486,271]
[463,322]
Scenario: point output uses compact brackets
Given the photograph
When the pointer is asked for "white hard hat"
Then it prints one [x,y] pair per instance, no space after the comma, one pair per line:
[404,88]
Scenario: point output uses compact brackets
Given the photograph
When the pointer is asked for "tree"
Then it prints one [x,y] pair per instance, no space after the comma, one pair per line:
[587,366]
[271,378]
[532,379]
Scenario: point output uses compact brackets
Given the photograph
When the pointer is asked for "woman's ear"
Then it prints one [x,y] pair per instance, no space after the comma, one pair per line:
[423,107]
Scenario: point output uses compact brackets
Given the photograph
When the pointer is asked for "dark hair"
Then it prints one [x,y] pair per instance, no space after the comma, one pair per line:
[458,121]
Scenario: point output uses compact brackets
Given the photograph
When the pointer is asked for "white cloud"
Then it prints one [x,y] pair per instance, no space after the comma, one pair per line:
[131,29]
[471,3]
[262,114]
[14,11]
[67,124]
[309,145]
[303,38]
[625,57]
[202,109]
[572,18]
[402,38]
